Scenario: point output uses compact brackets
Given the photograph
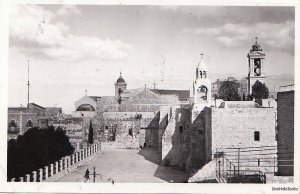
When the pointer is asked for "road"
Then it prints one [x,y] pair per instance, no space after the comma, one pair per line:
[128,166]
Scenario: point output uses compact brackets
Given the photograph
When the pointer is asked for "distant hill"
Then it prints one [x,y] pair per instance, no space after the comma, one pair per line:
[272,82]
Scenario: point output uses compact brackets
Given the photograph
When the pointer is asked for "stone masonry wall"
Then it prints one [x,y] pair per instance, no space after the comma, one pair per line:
[176,138]
[197,156]
[129,131]
[21,119]
[235,127]
[285,132]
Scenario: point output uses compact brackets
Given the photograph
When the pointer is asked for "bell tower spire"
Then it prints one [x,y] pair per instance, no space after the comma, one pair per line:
[202,85]
[256,58]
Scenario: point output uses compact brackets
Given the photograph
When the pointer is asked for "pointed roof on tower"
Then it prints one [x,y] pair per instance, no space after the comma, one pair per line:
[202,65]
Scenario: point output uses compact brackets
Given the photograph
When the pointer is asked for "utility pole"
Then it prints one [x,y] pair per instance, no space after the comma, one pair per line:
[28,85]
[94,174]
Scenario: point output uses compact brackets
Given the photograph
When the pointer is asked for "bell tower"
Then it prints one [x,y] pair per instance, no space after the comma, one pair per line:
[256,66]
[202,85]
[120,86]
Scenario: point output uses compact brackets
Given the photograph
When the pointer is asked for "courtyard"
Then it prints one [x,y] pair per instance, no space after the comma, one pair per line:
[128,166]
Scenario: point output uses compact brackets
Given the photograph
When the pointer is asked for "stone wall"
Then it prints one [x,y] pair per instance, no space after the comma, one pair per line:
[235,127]
[197,156]
[285,132]
[128,131]
[77,129]
[131,108]
[176,137]
[52,112]
[21,118]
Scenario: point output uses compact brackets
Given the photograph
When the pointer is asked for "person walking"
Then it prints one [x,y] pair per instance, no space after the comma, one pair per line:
[87,175]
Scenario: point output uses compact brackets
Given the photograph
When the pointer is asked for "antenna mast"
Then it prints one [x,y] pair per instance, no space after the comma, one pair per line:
[28,84]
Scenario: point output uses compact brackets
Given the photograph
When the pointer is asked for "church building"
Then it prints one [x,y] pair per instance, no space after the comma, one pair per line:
[187,132]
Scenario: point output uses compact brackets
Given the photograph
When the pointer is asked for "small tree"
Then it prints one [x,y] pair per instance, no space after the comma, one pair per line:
[91,134]
[138,116]
[229,91]
[260,90]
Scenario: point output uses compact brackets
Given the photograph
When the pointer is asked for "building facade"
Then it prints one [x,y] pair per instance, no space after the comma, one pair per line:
[285,130]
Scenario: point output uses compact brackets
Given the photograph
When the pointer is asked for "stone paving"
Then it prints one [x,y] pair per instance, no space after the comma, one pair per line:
[128,166]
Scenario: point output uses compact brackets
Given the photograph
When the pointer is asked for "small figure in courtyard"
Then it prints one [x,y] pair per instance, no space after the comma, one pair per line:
[87,175]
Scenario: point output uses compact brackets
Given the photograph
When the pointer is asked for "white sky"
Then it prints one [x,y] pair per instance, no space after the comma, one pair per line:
[73,48]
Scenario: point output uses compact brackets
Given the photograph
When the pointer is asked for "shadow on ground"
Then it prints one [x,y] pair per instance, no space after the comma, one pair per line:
[168,174]
[151,155]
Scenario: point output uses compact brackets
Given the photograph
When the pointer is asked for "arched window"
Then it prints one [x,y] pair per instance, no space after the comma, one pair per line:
[12,127]
[29,123]
[180,128]
[201,74]
[120,91]
[12,123]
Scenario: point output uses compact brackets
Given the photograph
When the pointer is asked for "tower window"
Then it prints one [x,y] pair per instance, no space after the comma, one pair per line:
[13,123]
[256,136]
[180,128]
[29,123]
[130,132]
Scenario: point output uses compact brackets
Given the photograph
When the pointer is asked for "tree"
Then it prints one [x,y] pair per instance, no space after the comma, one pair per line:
[91,134]
[229,91]
[138,116]
[260,90]
[35,149]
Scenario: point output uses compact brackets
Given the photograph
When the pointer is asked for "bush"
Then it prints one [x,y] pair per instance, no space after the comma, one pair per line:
[229,91]
[35,149]
[260,90]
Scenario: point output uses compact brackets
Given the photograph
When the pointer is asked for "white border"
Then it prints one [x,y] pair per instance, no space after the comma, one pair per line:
[137,187]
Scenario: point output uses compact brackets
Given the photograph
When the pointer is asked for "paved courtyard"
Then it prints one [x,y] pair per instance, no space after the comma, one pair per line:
[128,166]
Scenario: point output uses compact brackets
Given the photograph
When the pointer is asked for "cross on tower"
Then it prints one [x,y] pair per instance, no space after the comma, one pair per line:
[256,40]
[154,84]
[201,54]
[85,92]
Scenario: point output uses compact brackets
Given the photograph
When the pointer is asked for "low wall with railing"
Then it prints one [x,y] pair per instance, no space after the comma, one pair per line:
[59,168]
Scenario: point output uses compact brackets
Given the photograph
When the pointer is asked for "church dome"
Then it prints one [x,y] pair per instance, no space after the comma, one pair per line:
[121,79]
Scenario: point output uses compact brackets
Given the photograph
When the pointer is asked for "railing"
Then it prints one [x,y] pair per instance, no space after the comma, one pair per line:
[227,172]
[62,165]
[237,164]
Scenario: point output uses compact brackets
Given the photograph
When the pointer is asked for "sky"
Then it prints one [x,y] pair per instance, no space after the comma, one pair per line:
[73,48]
